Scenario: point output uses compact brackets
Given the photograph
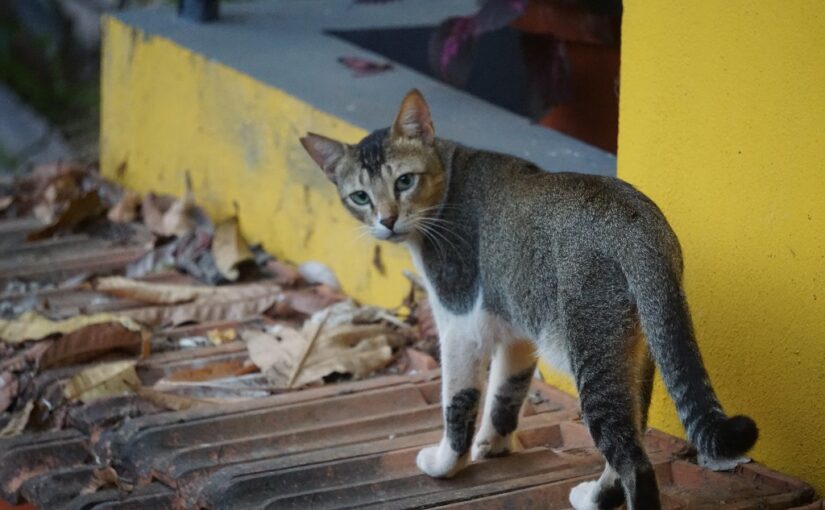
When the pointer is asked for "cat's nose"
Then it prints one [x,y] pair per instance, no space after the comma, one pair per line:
[389,221]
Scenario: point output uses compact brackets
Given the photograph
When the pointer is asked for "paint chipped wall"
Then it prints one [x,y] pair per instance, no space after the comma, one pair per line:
[166,110]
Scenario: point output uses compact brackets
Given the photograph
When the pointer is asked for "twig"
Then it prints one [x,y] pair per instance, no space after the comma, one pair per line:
[300,365]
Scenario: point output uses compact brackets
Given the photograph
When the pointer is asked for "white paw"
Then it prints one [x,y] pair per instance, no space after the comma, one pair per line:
[495,446]
[582,496]
[439,462]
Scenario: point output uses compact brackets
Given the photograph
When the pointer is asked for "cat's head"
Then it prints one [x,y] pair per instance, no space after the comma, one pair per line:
[392,180]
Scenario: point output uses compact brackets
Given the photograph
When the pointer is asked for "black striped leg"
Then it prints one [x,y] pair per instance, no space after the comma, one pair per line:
[511,372]
[461,366]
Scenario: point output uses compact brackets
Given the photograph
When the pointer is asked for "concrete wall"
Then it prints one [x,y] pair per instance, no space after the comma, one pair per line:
[722,123]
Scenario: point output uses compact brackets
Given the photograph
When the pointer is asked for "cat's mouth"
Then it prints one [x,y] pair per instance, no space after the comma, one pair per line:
[397,237]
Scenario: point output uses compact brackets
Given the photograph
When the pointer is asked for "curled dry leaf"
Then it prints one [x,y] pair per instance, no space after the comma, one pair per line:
[306,301]
[283,273]
[33,326]
[217,370]
[341,346]
[149,292]
[229,248]
[90,342]
[18,421]
[228,303]
[79,210]
[166,216]
[126,209]
[102,380]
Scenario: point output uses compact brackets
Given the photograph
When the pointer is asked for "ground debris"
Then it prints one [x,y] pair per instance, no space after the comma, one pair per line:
[201,318]
[343,338]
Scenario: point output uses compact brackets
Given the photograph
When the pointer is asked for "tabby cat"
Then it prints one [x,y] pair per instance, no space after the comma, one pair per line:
[518,261]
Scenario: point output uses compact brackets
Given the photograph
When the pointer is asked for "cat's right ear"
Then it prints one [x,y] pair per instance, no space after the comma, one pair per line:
[325,151]
[413,119]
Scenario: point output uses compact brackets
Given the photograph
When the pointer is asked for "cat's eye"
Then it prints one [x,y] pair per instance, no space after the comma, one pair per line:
[405,182]
[359,197]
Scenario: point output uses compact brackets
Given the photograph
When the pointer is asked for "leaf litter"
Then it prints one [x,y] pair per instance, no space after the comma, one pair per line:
[282,326]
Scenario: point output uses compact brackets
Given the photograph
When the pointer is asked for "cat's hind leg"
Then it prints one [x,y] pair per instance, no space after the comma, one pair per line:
[511,372]
[610,365]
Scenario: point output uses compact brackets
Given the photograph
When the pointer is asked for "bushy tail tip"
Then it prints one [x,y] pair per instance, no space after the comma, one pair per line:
[734,436]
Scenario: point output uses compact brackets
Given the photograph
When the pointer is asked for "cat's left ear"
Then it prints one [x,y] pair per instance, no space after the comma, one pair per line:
[325,151]
[413,119]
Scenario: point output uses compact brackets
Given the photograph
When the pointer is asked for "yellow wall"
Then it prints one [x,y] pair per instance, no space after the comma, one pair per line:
[722,123]
[166,110]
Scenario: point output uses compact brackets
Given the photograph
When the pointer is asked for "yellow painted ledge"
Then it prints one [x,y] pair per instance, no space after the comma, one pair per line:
[166,110]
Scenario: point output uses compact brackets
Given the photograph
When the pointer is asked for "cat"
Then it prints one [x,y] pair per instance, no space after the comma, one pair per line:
[580,269]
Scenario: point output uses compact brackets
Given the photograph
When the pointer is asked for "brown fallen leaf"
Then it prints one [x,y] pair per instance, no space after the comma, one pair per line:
[102,380]
[229,248]
[150,292]
[18,421]
[227,303]
[217,370]
[166,216]
[306,301]
[83,208]
[126,209]
[8,390]
[275,352]
[356,349]
[90,342]
[33,326]
[283,273]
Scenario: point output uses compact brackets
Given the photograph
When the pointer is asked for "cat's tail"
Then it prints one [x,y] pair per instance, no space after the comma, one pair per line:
[665,318]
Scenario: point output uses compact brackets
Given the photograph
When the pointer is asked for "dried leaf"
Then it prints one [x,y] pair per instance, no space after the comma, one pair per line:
[149,292]
[356,349]
[87,206]
[102,380]
[361,67]
[283,273]
[18,421]
[33,326]
[306,301]
[165,216]
[217,370]
[231,302]
[8,390]
[91,342]
[229,248]
[125,210]
[275,352]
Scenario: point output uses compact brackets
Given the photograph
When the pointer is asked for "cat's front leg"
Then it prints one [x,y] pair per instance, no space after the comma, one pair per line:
[511,372]
[461,362]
